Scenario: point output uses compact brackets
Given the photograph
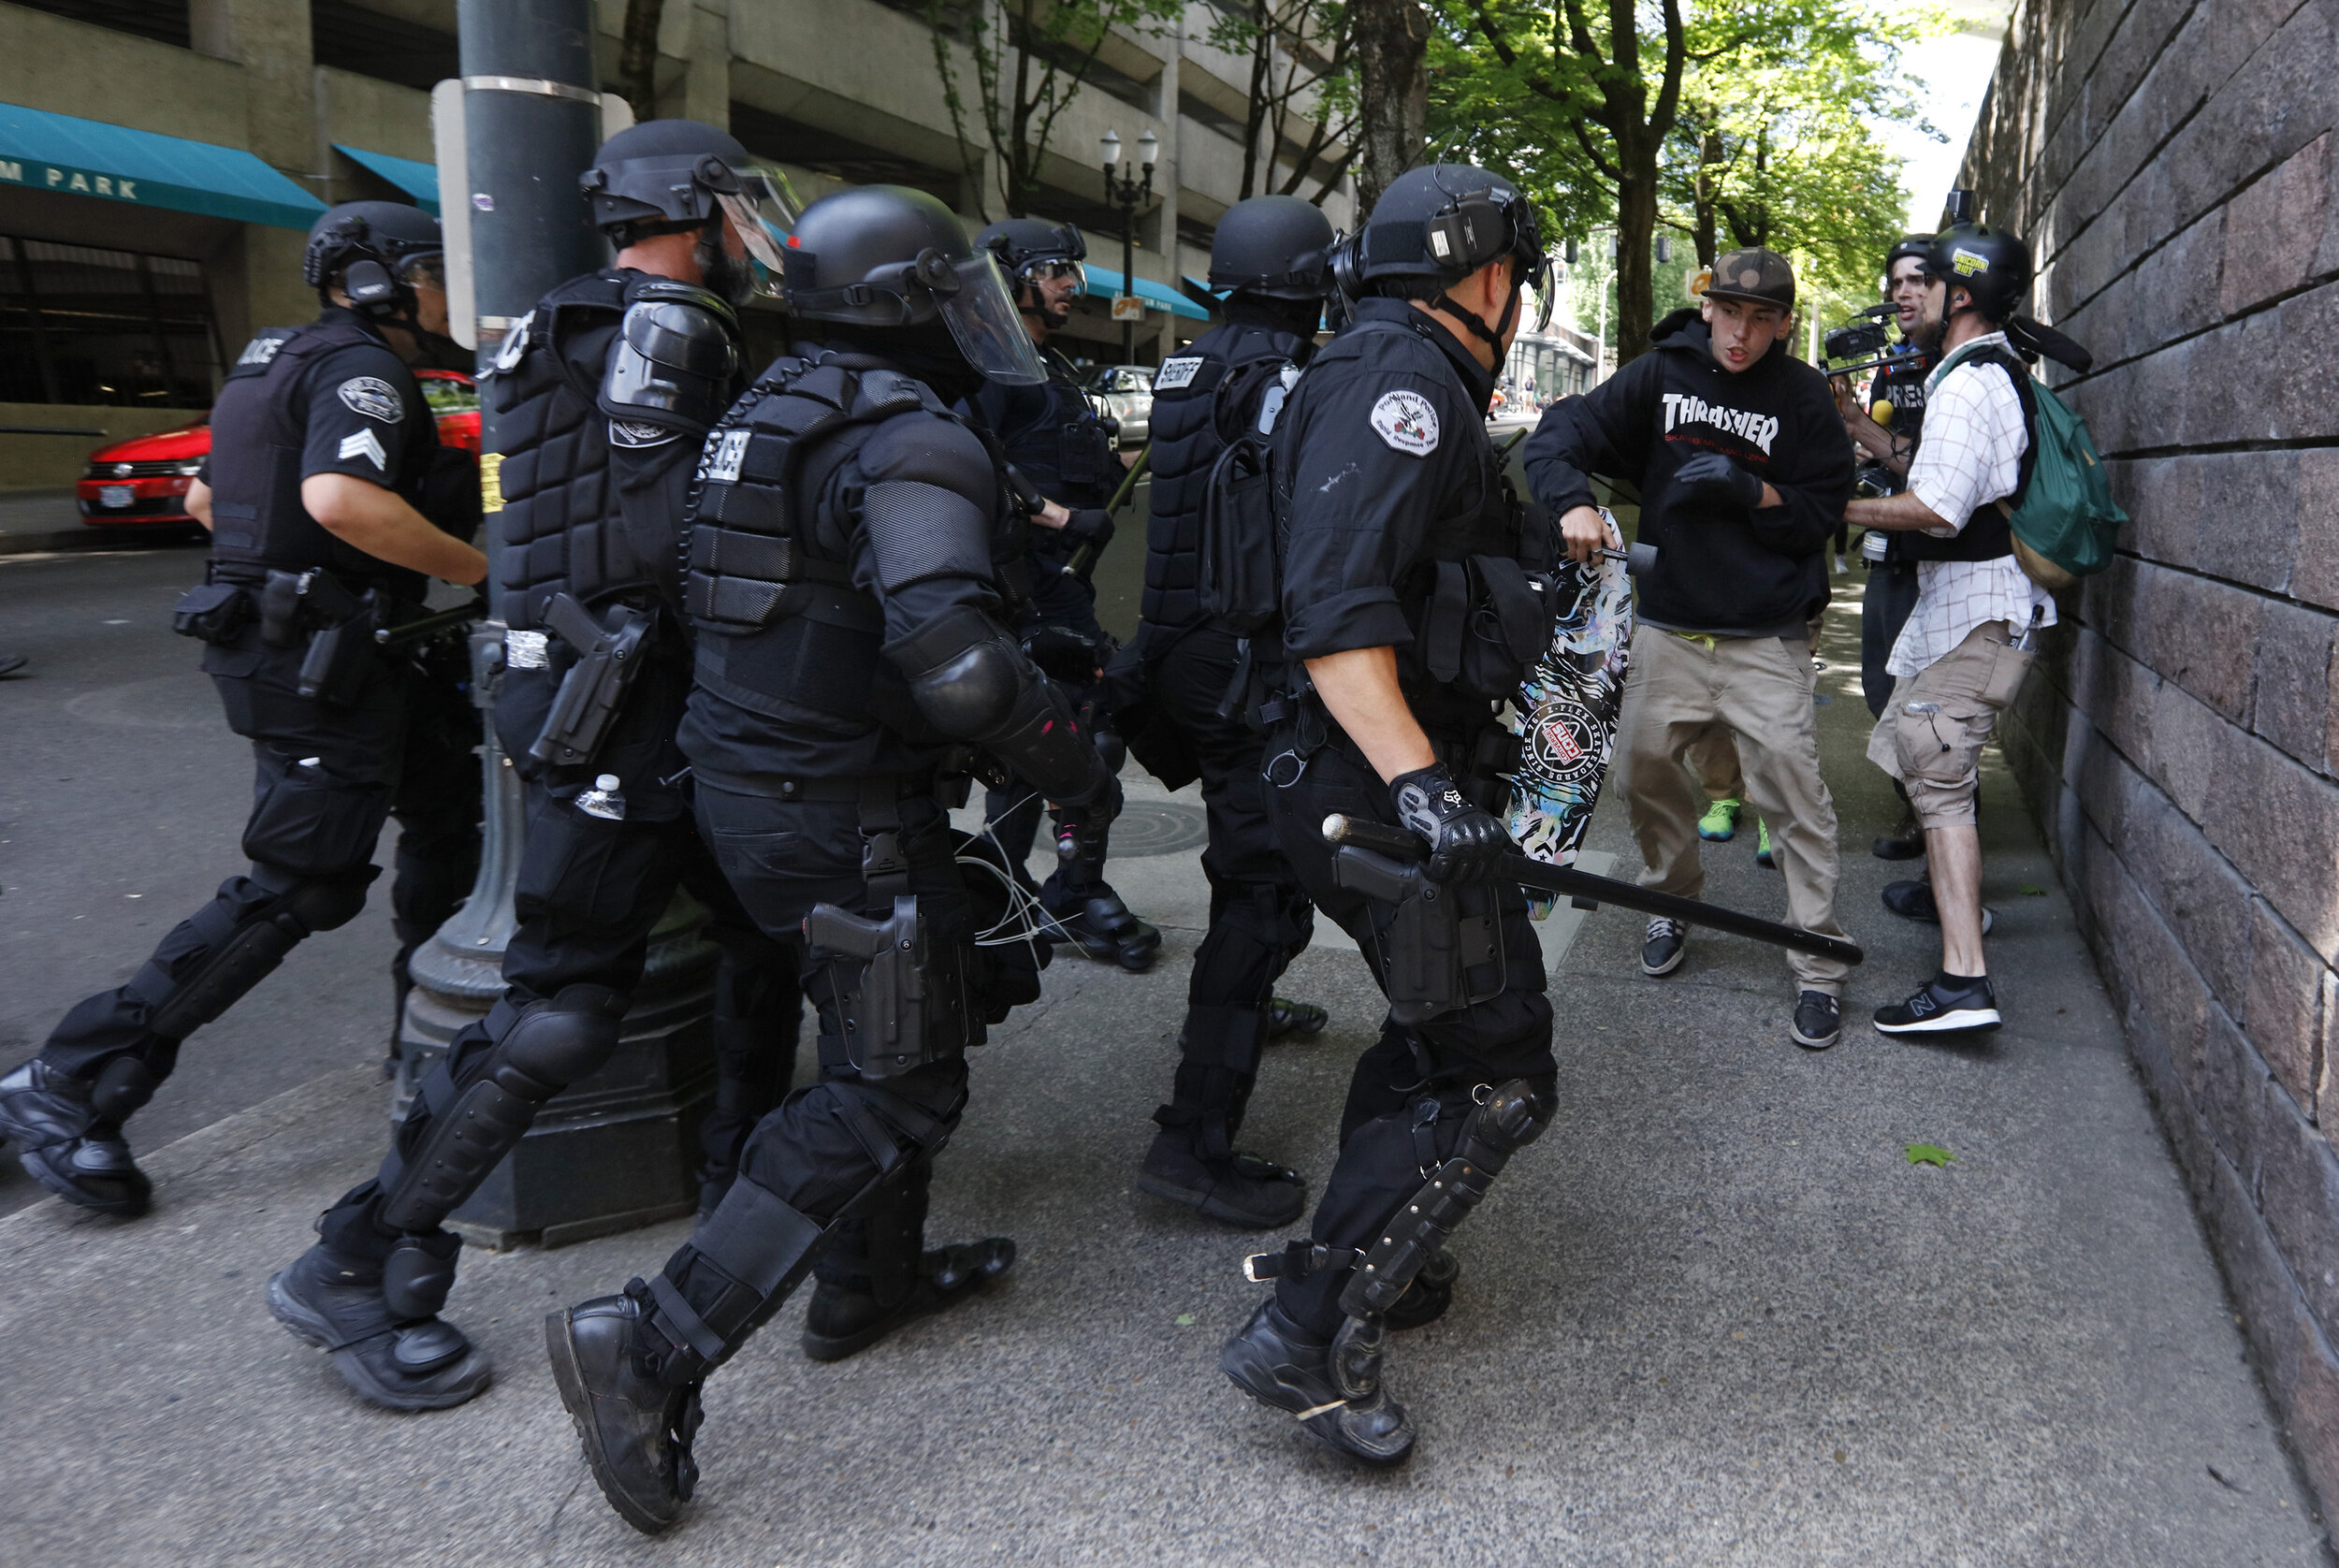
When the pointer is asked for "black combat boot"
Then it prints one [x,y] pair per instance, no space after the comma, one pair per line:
[1285,1017]
[1100,926]
[334,1299]
[844,1320]
[1431,1292]
[1333,1388]
[66,1145]
[634,1398]
[1237,1189]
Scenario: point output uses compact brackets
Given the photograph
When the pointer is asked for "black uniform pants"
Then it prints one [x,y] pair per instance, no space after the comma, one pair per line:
[590,893]
[1413,1087]
[327,778]
[1259,915]
[814,1153]
[1891,594]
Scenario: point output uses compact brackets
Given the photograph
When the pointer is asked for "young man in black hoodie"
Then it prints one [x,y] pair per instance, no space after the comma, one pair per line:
[1743,468]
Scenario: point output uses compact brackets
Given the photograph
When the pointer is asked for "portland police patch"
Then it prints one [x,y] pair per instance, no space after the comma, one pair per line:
[373,398]
[1407,421]
[636,432]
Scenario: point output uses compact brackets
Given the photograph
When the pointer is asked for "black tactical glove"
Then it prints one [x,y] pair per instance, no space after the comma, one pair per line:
[1090,525]
[1466,844]
[1713,476]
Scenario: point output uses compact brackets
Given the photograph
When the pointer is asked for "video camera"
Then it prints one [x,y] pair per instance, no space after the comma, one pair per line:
[1868,340]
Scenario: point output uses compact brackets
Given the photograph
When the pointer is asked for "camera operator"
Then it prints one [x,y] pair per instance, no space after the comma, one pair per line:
[1898,390]
[1961,657]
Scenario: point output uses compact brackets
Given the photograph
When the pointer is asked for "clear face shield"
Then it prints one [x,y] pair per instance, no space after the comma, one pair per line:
[980,310]
[764,209]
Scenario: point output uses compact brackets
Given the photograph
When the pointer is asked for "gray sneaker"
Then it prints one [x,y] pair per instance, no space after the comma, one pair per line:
[1660,949]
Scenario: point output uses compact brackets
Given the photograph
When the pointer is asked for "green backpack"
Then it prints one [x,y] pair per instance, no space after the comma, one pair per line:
[2064,520]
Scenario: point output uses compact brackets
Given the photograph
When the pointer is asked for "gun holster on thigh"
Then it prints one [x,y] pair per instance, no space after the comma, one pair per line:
[1429,944]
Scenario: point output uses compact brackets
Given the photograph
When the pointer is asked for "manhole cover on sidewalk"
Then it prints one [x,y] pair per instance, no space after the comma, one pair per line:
[1147,827]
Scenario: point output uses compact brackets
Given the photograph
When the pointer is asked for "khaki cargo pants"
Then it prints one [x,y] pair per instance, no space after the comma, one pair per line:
[1759,689]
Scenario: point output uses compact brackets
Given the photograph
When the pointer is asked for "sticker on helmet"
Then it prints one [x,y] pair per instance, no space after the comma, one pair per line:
[1407,421]
[373,398]
[364,443]
[1175,373]
[637,433]
[1967,262]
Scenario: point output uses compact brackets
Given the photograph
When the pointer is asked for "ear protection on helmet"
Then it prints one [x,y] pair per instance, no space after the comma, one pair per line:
[369,286]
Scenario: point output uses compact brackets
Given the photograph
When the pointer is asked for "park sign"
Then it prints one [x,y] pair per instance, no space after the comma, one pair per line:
[44,152]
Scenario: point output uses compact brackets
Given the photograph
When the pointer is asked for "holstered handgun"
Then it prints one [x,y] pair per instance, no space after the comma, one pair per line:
[339,625]
[903,1008]
[595,689]
[1429,945]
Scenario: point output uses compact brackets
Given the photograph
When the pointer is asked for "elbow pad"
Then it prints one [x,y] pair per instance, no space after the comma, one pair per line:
[673,360]
[972,682]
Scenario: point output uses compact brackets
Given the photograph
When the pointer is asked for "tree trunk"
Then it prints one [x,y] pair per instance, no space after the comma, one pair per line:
[1709,243]
[637,56]
[1635,226]
[1393,93]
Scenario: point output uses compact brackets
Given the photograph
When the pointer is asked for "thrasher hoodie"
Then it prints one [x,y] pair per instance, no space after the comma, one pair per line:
[1720,568]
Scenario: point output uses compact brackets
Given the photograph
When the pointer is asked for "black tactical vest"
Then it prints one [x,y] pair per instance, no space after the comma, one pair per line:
[1986,535]
[1208,395]
[1478,619]
[1052,434]
[563,527]
[775,509]
[259,430]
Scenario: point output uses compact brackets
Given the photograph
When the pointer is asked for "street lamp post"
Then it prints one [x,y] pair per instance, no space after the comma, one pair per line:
[1129,193]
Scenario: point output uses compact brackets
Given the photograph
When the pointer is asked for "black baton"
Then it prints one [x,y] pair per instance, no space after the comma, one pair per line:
[1588,892]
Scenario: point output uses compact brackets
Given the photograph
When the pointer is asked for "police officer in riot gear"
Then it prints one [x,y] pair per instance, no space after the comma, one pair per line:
[602,395]
[1408,613]
[854,557]
[1273,254]
[1056,441]
[323,451]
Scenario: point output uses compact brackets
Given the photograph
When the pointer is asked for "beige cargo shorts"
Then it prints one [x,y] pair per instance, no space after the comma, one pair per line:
[1934,728]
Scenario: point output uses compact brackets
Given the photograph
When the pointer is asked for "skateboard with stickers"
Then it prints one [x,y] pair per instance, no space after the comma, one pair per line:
[1566,712]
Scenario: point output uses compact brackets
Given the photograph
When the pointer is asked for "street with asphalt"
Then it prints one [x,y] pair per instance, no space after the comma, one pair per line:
[1715,1316]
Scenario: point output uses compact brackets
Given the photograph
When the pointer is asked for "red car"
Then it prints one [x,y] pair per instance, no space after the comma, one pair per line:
[144,479]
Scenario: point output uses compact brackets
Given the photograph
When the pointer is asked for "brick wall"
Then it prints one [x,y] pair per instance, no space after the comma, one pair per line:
[2172,164]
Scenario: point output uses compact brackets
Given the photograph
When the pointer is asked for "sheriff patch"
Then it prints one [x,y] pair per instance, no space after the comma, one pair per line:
[1407,421]
[635,433]
[1175,373]
[373,398]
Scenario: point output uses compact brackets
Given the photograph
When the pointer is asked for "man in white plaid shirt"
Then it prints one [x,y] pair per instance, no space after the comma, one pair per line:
[1962,656]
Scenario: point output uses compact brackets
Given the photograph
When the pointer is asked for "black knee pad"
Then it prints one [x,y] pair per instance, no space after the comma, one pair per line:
[555,1043]
[123,1086]
[327,903]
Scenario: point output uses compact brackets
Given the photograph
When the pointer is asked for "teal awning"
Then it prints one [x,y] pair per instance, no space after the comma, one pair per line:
[419,181]
[44,152]
[1105,283]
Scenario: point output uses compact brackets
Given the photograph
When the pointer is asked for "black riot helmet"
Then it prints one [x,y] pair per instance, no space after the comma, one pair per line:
[674,176]
[1276,246]
[1026,246]
[375,251]
[888,256]
[1989,264]
[1437,225]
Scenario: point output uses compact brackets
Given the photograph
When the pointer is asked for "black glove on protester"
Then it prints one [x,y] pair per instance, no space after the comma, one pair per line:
[1712,477]
[1466,843]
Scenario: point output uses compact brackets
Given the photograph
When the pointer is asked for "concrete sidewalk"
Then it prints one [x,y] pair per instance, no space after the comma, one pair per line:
[1715,1316]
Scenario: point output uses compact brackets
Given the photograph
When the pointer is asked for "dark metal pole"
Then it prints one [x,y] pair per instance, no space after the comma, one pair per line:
[611,1151]
[1128,267]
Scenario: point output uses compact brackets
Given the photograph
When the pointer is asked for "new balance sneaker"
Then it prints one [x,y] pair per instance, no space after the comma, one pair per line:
[1721,822]
[1818,1021]
[1763,857]
[1660,949]
[1942,1005]
[1914,901]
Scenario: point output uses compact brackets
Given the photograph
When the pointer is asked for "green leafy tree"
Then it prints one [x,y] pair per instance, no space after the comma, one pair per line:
[1030,58]
[1300,111]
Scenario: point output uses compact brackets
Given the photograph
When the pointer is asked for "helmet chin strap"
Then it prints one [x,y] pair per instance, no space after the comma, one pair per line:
[1492,336]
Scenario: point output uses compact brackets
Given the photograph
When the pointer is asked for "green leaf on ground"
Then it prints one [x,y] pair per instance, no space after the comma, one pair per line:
[1929,1154]
[1185,1320]
[2030,890]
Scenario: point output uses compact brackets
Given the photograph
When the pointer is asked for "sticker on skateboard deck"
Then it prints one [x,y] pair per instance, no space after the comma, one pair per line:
[1566,711]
